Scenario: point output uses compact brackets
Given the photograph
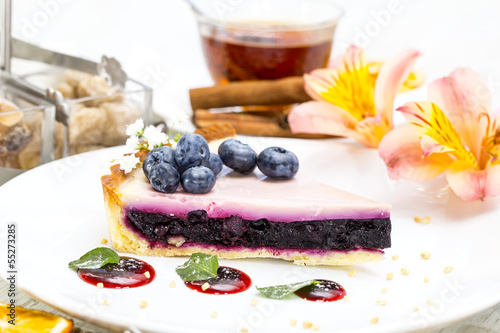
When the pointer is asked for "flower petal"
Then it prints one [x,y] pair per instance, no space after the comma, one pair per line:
[391,77]
[321,118]
[463,96]
[319,81]
[471,184]
[371,130]
[435,130]
[401,151]
[335,62]
[349,85]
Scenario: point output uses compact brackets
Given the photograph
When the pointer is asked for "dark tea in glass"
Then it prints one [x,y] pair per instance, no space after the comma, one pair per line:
[261,40]
[229,60]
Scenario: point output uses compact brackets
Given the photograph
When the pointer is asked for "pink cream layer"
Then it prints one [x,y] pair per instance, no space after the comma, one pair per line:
[254,197]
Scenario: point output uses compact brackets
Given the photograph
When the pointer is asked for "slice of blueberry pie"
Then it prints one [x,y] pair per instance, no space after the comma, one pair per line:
[298,219]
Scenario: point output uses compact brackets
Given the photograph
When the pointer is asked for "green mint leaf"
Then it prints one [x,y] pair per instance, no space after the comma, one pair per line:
[278,292]
[200,266]
[96,258]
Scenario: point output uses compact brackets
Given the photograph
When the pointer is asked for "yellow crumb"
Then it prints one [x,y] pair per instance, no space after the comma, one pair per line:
[425,255]
[374,320]
[396,257]
[105,302]
[104,241]
[143,304]
[214,314]
[316,327]
[347,299]
[243,330]
[404,271]
[307,324]
[448,270]
[382,302]
[415,309]
[426,220]
[253,302]
[293,322]
[147,274]
[173,284]
[390,276]
[430,302]
[205,286]
[426,280]
[352,273]
[384,290]
[100,285]
[417,219]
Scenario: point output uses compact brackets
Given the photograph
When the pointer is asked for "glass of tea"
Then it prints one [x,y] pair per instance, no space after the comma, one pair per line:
[265,39]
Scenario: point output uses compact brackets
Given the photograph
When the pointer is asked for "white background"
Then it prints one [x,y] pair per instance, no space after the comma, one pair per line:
[157,41]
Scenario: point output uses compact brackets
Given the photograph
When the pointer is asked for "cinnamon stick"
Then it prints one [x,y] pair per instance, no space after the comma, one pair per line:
[260,123]
[263,92]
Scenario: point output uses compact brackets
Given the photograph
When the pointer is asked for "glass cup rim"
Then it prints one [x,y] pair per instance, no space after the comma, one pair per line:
[201,17]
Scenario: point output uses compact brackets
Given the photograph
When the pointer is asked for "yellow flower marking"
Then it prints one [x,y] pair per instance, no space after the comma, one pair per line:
[439,128]
[353,91]
[490,153]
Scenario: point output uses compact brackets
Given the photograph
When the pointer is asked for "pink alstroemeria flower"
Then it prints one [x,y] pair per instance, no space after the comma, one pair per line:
[452,133]
[347,102]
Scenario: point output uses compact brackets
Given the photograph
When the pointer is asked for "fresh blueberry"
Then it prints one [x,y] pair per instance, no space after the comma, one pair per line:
[214,163]
[198,180]
[164,178]
[238,156]
[278,163]
[192,150]
[156,156]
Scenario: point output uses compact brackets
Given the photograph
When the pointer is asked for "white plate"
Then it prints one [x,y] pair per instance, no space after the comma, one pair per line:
[60,215]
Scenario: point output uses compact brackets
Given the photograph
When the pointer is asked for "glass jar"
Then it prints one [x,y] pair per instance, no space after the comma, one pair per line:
[96,114]
[27,130]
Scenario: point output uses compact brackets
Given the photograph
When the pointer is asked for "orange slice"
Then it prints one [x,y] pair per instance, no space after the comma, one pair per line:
[32,321]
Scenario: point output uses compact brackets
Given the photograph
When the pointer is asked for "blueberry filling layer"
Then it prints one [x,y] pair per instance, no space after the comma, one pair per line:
[197,227]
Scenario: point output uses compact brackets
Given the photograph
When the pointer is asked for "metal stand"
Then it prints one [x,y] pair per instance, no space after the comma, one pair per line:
[6,33]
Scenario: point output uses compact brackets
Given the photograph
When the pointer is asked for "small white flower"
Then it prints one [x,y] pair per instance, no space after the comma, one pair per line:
[133,144]
[179,118]
[150,131]
[157,139]
[107,163]
[129,162]
[135,128]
